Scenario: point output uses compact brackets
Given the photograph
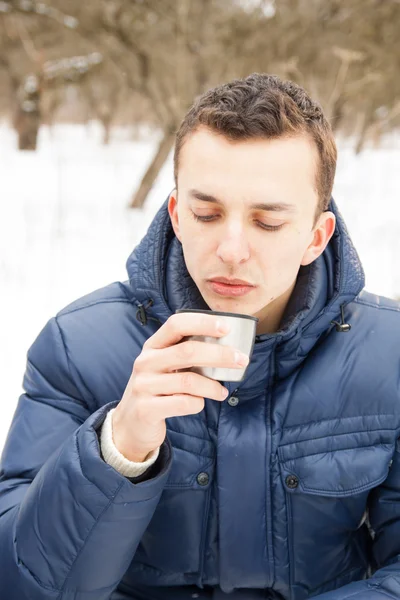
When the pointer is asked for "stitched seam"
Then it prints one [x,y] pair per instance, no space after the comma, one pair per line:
[342,574]
[47,587]
[136,502]
[195,453]
[379,306]
[94,303]
[332,435]
[100,490]
[42,585]
[268,479]
[69,363]
[106,507]
[169,430]
[331,451]
[64,348]
[190,484]
[110,588]
[84,474]
[289,528]
[84,544]
[123,289]
[381,592]
[75,400]
[341,419]
[337,493]
[48,401]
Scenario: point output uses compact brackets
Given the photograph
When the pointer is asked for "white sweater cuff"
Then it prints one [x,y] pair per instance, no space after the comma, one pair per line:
[115,459]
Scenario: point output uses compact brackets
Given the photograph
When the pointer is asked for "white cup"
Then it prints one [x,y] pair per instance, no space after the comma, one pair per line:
[241,336]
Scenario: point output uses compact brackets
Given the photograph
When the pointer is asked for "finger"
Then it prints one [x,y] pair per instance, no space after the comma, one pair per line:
[179,405]
[194,354]
[181,325]
[187,382]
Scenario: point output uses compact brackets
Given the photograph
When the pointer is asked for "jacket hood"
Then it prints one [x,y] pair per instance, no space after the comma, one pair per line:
[160,282]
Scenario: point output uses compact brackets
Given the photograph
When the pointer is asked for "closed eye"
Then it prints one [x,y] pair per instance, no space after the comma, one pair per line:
[209,218]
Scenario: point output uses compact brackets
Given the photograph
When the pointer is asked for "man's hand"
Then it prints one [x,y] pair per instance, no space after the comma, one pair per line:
[156,391]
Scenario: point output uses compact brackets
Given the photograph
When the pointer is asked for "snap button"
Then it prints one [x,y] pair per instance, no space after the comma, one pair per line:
[233,401]
[292,481]
[203,479]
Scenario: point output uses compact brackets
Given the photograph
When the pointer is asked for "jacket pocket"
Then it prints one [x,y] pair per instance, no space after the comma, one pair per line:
[327,482]
[174,539]
[339,473]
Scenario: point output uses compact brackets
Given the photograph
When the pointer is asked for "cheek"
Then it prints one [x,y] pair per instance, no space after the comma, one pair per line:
[283,247]
[282,261]
[292,246]
[196,246]
[195,251]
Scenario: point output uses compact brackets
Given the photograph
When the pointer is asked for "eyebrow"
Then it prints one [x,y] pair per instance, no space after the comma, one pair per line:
[269,207]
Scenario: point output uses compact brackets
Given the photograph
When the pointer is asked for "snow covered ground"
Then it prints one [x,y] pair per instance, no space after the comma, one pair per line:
[65,229]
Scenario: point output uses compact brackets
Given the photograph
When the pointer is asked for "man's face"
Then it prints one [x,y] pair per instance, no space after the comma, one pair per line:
[222,181]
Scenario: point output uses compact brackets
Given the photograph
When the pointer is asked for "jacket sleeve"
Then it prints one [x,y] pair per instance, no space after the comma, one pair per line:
[384,516]
[69,523]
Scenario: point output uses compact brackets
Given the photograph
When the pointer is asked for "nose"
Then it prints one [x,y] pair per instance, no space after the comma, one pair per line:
[233,247]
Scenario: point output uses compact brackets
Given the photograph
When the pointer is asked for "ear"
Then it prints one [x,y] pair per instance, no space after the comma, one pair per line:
[173,212]
[322,233]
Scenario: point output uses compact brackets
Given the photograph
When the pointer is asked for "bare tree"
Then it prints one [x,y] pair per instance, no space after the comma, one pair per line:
[158,55]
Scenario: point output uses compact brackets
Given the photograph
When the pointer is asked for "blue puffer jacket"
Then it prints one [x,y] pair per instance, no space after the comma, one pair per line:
[292,492]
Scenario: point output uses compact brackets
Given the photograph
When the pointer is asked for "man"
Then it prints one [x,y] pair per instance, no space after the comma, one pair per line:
[126,476]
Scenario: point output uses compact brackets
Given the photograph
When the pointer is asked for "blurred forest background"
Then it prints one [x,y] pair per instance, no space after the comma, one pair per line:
[135,62]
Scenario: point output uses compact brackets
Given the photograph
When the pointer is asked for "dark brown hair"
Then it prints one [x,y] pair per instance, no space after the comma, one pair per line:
[264,106]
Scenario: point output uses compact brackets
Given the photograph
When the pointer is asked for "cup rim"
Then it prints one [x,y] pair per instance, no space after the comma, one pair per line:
[215,312]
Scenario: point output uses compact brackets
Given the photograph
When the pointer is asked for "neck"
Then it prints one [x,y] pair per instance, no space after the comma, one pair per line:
[270,317]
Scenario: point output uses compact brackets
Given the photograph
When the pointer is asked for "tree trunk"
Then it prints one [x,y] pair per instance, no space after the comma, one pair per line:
[366,123]
[337,114]
[154,168]
[27,126]
[106,122]
[27,112]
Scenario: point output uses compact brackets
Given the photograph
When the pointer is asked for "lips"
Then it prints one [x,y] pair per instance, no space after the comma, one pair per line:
[226,281]
[229,287]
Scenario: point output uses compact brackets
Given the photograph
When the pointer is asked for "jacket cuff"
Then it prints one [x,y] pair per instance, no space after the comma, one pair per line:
[105,477]
[118,461]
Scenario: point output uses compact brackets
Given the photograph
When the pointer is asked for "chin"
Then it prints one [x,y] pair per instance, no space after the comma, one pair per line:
[229,305]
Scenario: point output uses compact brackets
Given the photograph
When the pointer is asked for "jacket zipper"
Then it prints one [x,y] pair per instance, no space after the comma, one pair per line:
[266,389]
[268,474]
[268,489]
[290,538]
[204,534]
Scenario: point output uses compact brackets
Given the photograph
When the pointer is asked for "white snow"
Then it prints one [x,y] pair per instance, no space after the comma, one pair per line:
[65,229]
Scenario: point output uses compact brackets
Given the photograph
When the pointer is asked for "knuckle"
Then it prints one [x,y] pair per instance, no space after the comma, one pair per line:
[137,384]
[138,363]
[227,354]
[185,350]
[217,391]
[146,343]
[188,405]
[186,381]
[173,323]
[197,405]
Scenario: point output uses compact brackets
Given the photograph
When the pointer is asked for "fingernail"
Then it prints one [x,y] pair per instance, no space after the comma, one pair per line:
[241,359]
[224,393]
